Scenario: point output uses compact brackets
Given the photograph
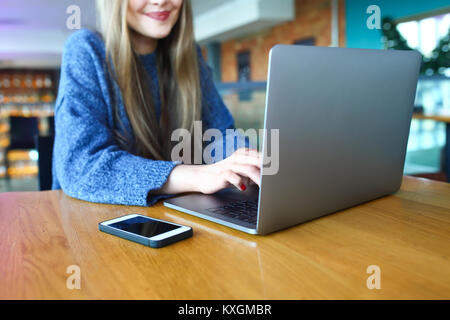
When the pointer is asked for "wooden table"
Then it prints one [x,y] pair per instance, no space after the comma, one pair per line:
[443,116]
[407,235]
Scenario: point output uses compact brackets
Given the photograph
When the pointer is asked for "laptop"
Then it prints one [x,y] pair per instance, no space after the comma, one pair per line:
[343,117]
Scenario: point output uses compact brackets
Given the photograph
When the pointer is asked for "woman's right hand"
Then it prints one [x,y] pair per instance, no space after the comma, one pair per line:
[240,169]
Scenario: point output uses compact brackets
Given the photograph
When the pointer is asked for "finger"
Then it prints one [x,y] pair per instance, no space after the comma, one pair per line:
[246,181]
[246,160]
[233,178]
[249,171]
[249,152]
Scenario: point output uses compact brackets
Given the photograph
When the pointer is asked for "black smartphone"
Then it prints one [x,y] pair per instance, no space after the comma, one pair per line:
[151,232]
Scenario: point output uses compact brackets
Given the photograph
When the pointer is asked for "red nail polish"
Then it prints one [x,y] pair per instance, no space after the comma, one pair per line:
[243,187]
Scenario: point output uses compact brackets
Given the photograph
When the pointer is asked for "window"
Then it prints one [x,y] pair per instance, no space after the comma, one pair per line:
[243,61]
[425,35]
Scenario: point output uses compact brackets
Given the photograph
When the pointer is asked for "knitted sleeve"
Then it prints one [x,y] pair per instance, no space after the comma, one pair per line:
[88,163]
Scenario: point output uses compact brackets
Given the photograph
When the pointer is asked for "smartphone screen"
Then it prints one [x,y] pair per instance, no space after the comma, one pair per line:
[144,226]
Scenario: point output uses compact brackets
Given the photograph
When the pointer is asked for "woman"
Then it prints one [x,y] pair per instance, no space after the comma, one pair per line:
[121,95]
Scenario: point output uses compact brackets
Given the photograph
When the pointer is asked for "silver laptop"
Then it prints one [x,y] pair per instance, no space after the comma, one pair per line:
[343,117]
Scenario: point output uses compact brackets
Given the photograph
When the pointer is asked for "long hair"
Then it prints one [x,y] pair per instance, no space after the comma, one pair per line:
[178,75]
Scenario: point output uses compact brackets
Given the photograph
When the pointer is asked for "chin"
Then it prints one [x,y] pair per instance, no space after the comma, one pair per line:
[155,33]
[158,35]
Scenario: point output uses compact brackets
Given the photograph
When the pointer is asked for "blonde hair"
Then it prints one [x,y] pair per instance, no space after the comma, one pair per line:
[178,75]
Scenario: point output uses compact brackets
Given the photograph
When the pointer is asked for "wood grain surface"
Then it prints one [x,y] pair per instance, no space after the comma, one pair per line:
[442,116]
[407,235]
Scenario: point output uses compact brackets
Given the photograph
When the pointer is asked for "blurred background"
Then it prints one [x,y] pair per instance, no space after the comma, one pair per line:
[235,37]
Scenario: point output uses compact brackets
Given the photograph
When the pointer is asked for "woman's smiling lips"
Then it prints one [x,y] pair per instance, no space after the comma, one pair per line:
[158,15]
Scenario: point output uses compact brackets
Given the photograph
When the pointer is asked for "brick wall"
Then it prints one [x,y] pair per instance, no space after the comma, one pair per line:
[313,19]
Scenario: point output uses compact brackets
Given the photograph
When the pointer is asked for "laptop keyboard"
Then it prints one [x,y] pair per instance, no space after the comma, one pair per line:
[244,210]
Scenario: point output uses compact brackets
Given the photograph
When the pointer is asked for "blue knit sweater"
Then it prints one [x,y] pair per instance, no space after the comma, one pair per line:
[88,164]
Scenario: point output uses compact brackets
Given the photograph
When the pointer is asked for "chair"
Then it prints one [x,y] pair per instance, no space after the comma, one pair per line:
[22,132]
[25,135]
[44,146]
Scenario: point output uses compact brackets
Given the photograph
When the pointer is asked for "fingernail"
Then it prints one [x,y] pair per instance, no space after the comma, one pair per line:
[243,187]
